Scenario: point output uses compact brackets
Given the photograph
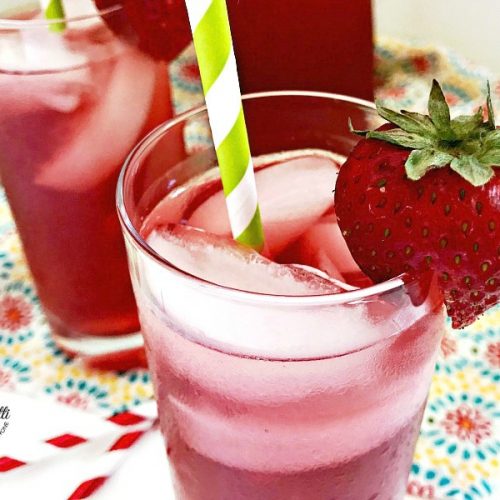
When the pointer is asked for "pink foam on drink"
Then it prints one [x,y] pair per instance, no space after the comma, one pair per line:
[309,179]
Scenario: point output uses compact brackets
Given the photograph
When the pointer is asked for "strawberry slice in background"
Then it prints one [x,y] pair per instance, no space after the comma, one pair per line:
[160,26]
[423,193]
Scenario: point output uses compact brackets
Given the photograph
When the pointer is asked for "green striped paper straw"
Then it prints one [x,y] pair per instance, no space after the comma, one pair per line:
[54,9]
[214,50]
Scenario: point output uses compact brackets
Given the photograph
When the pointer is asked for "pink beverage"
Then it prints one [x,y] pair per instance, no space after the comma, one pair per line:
[73,105]
[276,376]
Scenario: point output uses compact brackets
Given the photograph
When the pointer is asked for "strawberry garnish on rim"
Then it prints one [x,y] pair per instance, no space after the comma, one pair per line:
[161,26]
[423,192]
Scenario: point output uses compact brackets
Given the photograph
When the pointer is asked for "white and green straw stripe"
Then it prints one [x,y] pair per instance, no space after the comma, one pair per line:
[54,9]
[219,76]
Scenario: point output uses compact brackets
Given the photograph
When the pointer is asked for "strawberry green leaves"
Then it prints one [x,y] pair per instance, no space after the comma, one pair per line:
[407,121]
[419,160]
[465,125]
[439,113]
[471,169]
[466,144]
[402,138]
[491,113]
[490,152]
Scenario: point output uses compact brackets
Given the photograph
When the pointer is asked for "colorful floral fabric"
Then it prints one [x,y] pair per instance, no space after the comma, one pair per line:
[458,454]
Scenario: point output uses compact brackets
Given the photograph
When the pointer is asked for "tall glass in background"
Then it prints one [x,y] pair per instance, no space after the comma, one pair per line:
[269,397]
[324,45]
[73,104]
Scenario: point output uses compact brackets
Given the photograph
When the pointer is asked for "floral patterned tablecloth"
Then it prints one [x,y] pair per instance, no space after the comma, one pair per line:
[458,453]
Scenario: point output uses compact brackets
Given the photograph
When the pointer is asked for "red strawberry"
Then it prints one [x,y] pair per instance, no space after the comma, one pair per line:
[161,26]
[423,194]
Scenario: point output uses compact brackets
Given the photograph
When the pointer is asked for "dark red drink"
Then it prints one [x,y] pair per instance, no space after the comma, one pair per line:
[323,45]
[73,106]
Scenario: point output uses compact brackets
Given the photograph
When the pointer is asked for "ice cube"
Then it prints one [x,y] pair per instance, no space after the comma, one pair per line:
[292,195]
[267,325]
[47,51]
[324,247]
[50,52]
[105,136]
[275,327]
[63,92]
[54,70]
[41,49]
[218,259]
[66,91]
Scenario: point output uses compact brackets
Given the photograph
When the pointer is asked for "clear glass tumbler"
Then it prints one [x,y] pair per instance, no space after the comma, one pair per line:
[275,396]
[75,98]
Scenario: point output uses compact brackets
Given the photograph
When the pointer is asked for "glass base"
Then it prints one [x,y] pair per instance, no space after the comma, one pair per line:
[108,344]
[117,352]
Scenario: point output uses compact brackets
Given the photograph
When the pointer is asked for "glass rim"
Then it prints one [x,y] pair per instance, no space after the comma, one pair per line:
[149,141]
[20,24]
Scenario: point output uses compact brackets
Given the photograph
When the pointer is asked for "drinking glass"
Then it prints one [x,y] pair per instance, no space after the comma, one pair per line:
[275,396]
[75,99]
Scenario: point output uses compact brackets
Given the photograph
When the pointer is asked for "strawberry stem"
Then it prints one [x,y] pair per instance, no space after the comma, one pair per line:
[467,144]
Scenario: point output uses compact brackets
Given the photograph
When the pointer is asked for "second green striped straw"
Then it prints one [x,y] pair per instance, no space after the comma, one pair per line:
[214,50]
[54,9]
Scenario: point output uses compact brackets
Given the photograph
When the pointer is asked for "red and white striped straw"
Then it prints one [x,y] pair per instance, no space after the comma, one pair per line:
[77,461]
